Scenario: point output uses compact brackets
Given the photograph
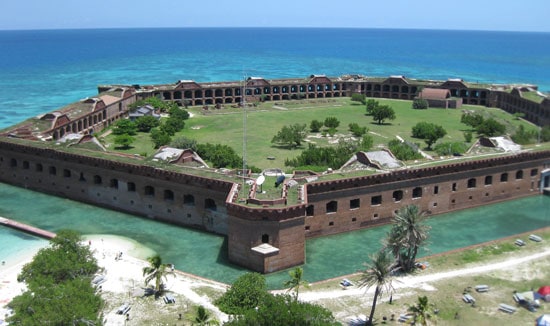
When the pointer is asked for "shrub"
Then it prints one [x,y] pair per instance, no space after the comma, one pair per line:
[420,104]
[404,151]
[450,148]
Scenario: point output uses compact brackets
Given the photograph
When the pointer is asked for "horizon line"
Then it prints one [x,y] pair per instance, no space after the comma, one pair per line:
[271,27]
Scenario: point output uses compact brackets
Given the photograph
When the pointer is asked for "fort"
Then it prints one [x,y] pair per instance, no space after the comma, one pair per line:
[268,236]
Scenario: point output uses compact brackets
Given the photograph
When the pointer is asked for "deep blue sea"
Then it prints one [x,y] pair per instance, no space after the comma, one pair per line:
[41,71]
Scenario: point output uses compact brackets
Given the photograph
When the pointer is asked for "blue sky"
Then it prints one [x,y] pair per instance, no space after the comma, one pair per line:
[498,15]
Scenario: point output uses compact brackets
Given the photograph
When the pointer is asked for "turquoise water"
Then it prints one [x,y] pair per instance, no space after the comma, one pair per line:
[206,254]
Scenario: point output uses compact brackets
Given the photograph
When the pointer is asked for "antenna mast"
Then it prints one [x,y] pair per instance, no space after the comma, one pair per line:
[244,127]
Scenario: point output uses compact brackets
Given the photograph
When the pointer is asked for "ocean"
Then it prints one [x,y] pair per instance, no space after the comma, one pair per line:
[41,71]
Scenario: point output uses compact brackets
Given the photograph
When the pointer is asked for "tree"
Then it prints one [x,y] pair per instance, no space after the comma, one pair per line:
[450,148]
[422,310]
[471,119]
[490,128]
[356,130]
[124,141]
[371,106]
[125,126]
[146,123]
[404,150]
[296,281]
[332,122]
[204,318]
[356,97]
[246,293]
[159,138]
[291,136]
[283,310]
[382,113]
[184,143]
[524,137]
[156,271]
[428,131]
[366,143]
[59,285]
[378,274]
[407,234]
[65,259]
[420,104]
[221,156]
[315,125]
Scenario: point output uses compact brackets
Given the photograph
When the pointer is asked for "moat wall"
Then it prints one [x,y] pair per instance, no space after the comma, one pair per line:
[209,204]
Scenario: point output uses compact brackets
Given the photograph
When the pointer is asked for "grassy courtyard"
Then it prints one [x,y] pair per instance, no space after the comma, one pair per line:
[225,126]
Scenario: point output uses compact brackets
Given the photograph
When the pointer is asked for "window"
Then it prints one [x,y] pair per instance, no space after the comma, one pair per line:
[210,204]
[534,172]
[436,190]
[417,192]
[309,210]
[26,165]
[97,179]
[149,191]
[519,174]
[168,195]
[454,186]
[265,238]
[66,173]
[39,167]
[354,203]
[332,206]
[113,183]
[397,195]
[376,200]
[13,163]
[189,200]
[130,186]
[52,170]
[504,177]
[488,180]
[472,183]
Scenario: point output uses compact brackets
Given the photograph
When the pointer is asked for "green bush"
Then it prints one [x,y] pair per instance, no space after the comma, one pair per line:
[450,148]
[420,104]
[404,151]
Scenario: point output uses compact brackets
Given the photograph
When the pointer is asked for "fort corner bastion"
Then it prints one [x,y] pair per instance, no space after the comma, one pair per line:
[267,236]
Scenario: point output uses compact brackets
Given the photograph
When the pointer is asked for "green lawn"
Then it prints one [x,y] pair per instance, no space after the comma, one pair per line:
[225,126]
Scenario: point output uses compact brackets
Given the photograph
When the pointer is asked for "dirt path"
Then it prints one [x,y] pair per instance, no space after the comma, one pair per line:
[422,280]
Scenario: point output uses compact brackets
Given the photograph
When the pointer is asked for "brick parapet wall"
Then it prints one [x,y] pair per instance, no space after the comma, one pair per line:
[134,169]
[415,175]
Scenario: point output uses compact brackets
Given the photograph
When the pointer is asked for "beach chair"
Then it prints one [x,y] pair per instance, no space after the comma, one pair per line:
[482,288]
[168,298]
[122,310]
[506,308]
[519,242]
[468,298]
[535,238]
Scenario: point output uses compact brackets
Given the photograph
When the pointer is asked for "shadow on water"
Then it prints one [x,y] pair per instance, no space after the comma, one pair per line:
[205,254]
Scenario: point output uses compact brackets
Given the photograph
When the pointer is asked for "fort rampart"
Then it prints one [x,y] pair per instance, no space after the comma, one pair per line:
[270,239]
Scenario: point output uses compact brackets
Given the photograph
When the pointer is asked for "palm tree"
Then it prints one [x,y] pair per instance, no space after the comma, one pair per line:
[378,274]
[156,271]
[407,234]
[295,281]
[423,311]
[203,318]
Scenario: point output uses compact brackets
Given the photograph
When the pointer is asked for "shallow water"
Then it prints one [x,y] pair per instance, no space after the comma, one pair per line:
[205,254]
